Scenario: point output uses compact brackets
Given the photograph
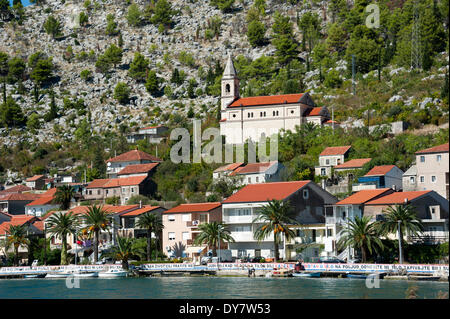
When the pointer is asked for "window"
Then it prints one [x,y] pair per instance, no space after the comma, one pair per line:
[257,179]
[234,115]
[90,192]
[292,111]
[203,218]
[249,180]
[132,189]
[186,235]
[323,172]
[314,235]
[329,232]
[433,179]
[264,114]
[98,192]
[171,236]
[106,192]
[327,162]
[186,217]
[305,193]
[422,159]
[171,218]
[438,158]
[242,228]
[422,179]
[412,180]
[227,88]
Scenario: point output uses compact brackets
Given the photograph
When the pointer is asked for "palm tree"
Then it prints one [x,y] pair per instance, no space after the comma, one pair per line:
[210,233]
[16,236]
[401,219]
[275,216]
[97,219]
[61,225]
[153,223]
[63,196]
[361,234]
[123,251]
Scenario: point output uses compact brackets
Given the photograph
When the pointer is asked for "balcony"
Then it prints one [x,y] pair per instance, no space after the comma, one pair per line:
[335,220]
[243,219]
[243,236]
[194,223]
[429,239]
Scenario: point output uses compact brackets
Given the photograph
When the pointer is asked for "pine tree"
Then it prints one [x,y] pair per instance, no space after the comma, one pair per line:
[11,114]
[52,27]
[152,83]
[139,67]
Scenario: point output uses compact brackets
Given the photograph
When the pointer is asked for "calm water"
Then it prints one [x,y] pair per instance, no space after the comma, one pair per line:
[215,287]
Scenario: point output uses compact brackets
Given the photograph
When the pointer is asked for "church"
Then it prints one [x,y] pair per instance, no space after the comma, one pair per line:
[249,118]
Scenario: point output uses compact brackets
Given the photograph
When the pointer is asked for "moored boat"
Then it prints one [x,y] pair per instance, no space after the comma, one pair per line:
[307,274]
[358,276]
[282,272]
[58,275]
[35,276]
[113,273]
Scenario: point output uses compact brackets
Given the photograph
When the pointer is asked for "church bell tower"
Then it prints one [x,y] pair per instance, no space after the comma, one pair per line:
[230,84]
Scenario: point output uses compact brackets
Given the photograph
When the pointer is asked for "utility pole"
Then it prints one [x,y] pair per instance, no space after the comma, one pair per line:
[353,74]
[416,58]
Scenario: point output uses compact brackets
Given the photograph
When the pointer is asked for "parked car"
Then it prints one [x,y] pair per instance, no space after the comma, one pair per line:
[331,260]
[257,259]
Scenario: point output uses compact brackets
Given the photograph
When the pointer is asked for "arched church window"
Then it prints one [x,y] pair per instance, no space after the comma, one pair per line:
[227,88]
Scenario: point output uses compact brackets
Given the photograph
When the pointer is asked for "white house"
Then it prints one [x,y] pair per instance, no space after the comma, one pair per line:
[154,134]
[330,157]
[306,199]
[116,164]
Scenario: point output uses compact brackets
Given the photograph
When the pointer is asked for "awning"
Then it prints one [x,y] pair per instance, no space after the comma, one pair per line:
[194,249]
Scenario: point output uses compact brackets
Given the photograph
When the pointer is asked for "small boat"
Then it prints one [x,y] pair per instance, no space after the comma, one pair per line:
[359,276]
[84,274]
[307,274]
[282,272]
[35,276]
[58,275]
[113,273]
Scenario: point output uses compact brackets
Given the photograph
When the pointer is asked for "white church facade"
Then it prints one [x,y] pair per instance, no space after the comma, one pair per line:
[249,118]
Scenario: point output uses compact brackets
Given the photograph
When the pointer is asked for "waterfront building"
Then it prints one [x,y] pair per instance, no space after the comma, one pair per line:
[43,204]
[181,226]
[36,182]
[307,200]
[14,203]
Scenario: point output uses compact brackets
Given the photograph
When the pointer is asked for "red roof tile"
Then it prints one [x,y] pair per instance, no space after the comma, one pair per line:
[97,183]
[315,111]
[397,198]
[137,168]
[34,178]
[335,150]
[50,192]
[194,207]
[143,210]
[380,170]
[125,181]
[229,167]
[265,192]
[150,127]
[15,189]
[108,208]
[267,100]
[354,163]
[19,197]
[252,168]
[436,149]
[364,196]
[134,155]
[45,200]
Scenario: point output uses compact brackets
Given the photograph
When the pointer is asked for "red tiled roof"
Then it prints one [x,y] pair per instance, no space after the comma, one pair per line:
[315,111]
[143,210]
[126,181]
[223,120]
[50,192]
[39,225]
[44,200]
[364,196]
[15,189]
[229,167]
[335,150]
[34,178]
[108,208]
[267,100]
[331,122]
[18,220]
[149,127]
[354,163]
[380,170]
[20,197]
[137,168]
[195,207]
[134,155]
[97,183]
[265,192]
[252,168]
[436,149]
[397,198]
